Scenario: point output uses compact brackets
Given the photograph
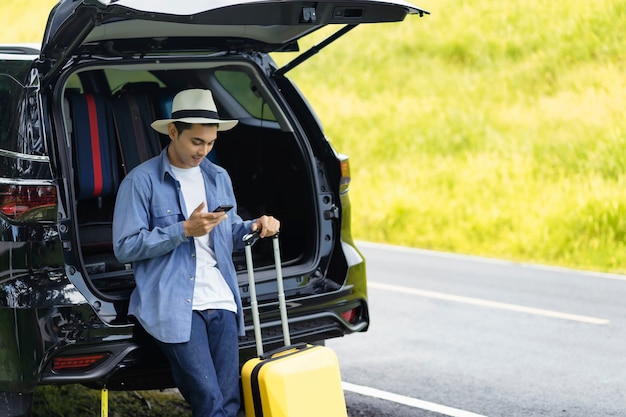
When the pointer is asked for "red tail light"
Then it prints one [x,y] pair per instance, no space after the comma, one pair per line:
[28,202]
[77,362]
[351,315]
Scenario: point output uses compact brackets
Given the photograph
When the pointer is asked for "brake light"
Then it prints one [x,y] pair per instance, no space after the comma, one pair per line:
[344,181]
[77,362]
[351,315]
[28,202]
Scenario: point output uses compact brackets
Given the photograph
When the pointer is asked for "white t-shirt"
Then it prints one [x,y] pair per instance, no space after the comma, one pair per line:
[211,290]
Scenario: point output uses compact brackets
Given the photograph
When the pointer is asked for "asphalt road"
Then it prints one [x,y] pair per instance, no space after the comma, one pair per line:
[469,337]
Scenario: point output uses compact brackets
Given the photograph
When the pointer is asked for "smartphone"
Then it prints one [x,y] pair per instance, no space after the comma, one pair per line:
[223,208]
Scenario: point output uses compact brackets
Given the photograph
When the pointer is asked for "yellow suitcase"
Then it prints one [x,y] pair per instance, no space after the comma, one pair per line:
[298,380]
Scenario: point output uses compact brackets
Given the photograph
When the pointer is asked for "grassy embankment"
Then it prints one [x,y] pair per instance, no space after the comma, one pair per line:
[494,129]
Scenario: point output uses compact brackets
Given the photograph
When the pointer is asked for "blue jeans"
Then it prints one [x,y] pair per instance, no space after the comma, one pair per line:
[206,369]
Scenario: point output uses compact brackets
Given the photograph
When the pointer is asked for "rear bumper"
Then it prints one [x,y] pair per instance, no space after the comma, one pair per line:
[308,328]
[138,364]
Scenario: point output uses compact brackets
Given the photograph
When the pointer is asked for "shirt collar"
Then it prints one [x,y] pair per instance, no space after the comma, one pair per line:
[166,167]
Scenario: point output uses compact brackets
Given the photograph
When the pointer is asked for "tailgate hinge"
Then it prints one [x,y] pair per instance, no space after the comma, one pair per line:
[332,213]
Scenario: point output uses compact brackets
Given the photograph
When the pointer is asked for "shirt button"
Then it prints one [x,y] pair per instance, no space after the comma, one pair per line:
[193,255]
[188,301]
[169,211]
[190,278]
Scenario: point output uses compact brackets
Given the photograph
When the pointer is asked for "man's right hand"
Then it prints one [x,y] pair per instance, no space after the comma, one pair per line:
[201,222]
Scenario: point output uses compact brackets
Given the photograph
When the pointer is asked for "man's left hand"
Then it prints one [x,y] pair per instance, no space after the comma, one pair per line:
[267,225]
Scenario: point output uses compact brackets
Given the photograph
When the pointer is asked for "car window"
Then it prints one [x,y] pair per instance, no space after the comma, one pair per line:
[118,78]
[12,75]
[242,89]
[74,83]
[7,84]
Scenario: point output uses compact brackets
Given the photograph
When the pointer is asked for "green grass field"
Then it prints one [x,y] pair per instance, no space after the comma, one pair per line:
[486,128]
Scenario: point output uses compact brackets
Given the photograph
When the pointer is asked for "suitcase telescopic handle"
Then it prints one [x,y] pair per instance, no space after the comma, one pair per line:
[249,240]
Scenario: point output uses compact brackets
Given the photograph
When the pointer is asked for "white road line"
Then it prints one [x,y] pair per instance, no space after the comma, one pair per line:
[487,303]
[408,401]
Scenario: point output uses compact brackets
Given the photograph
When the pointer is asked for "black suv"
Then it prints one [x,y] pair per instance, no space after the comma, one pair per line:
[74,119]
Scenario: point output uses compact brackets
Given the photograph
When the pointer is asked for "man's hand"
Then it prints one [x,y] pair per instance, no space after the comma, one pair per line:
[201,223]
[268,226]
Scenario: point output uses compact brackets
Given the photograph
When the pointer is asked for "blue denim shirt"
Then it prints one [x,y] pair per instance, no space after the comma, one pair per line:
[148,232]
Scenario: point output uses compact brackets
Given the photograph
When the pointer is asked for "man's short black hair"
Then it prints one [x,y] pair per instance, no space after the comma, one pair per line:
[182,126]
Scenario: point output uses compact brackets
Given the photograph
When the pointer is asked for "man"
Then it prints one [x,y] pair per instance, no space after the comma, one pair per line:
[186,294]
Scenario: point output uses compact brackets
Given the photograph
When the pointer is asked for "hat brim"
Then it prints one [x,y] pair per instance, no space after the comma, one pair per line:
[222,125]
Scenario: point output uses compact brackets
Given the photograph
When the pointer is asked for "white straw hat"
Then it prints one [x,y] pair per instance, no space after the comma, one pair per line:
[194,106]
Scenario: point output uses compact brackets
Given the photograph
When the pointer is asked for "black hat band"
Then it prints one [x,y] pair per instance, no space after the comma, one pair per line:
[206,114]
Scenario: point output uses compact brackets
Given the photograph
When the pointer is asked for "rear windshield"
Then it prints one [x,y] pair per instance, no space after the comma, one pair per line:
[240,86]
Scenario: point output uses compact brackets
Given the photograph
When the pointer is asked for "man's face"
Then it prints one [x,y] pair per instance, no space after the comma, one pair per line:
[189,148]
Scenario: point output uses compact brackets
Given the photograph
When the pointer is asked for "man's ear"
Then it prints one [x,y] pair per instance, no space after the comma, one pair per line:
[172,131]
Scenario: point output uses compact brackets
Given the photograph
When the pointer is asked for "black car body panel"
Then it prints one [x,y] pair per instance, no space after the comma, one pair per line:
[63,295]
